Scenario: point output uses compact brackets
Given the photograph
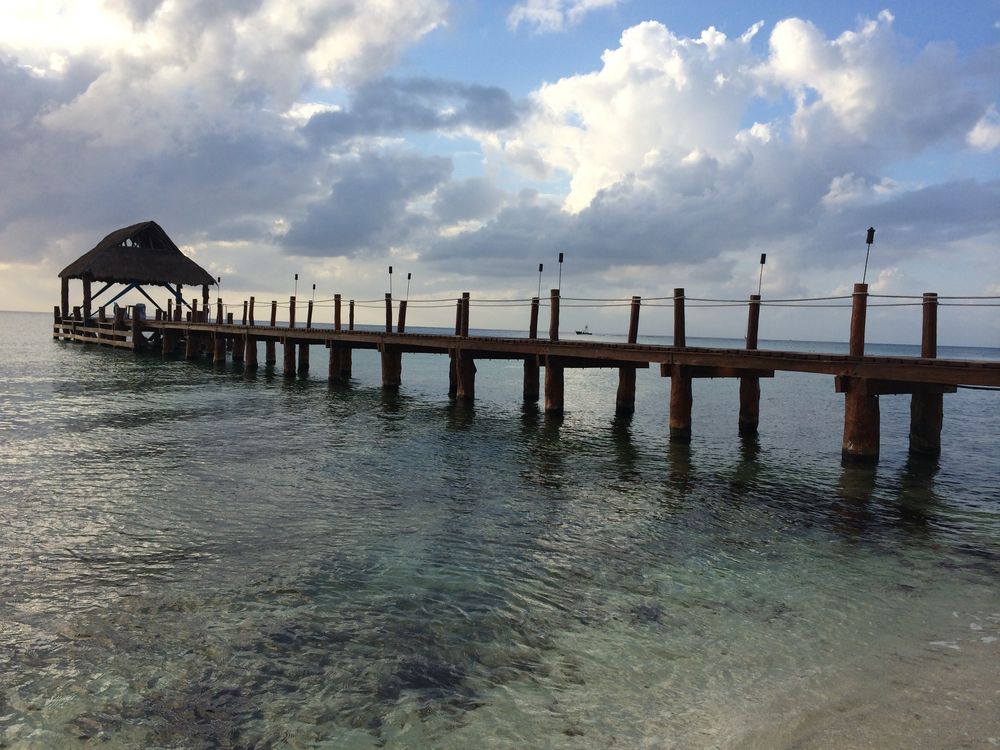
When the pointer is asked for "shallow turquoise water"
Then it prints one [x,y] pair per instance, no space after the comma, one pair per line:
[198,557]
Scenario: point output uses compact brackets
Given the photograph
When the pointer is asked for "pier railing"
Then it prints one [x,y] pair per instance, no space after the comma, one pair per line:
[235,331]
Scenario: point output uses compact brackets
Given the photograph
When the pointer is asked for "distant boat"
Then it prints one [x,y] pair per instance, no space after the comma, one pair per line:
[584,332]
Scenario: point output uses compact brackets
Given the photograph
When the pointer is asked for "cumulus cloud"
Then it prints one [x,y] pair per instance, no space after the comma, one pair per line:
[553,15]
[985,135]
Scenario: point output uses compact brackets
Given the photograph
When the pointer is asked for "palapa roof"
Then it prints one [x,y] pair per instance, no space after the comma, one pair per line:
[141,253]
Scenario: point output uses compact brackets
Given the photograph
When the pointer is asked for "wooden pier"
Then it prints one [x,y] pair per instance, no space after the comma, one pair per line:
[861,378]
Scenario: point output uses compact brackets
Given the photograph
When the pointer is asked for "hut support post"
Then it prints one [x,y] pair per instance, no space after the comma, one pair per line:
[87,299]
[190,345]
[750,384]
[927,408]
[218,348]
[625,399]
[531,392]
[64,298]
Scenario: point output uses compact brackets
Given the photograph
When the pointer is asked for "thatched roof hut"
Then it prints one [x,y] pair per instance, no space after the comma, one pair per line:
[139,254]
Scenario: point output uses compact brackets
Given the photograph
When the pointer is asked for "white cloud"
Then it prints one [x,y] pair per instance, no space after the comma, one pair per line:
[985,135]
[553,15]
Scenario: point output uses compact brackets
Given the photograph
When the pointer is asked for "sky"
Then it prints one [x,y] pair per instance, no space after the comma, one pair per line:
[656,144]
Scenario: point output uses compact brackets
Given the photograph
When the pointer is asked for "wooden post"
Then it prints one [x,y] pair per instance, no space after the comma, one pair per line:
[303,358]
[625,399]
[861,427]
[859,305]
[453,367]
[204,295]
[229,319]
[392,364]
[553,330]
[177,313]
[458,317]
[64,297]
[170,309]
[291,312]
[927,409]
[137,338]
[245,310]
[465,315]
[190,346]
[309,315]
[250,352]
[218,311]
[346,362]
[270,355]
[168,342]
[401,325]
[249,316]
[465,378]
[87,300]
[388,317]
[681,397]
[219,348]
[680,337]
[531,391]
[336,312]
[350,316]
[102,314]
[680,405]
[274,313]
[289,362]
[554,384]
[239,347]
[750,384]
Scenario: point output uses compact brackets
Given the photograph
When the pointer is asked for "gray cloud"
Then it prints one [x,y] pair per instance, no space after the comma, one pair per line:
[471,198]
[392,106]
[367,208]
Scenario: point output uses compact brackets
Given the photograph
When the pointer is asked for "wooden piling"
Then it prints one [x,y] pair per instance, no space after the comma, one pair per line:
[64,298]
[458,317]
[531,390]
[274,313]
[554,385]
[239,347]
[291,312]
[861,409]
[218,349]
[336,312]
[401,325]
[303,358]
[553,320]
[309,315]
[270,355]
[388,316]
[350,316]
[170,309]
[392,365]
[190,345]
[861,427]
[465,378]
[465,314]
[749,419]
[680,405]
[250,352]
[168,342]
[245,312]
[927,407]
[218,311]
[250,313]
[681,397]
[289,358]
[625,398]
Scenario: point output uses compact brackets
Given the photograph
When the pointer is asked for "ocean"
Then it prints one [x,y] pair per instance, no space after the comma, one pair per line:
[195,556]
